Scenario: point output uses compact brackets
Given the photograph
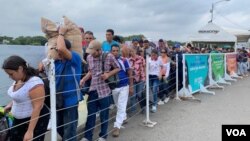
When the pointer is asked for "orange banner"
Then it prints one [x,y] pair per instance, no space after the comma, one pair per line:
[231,63]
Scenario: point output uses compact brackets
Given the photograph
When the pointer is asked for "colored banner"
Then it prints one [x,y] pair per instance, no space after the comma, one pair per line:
[197,71]
[217,66]
[231,63]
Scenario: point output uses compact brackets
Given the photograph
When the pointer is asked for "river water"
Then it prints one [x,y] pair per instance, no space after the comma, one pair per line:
[32,54]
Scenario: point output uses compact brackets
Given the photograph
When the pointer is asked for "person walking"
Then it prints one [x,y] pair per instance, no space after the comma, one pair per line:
[27,106]
[99,92]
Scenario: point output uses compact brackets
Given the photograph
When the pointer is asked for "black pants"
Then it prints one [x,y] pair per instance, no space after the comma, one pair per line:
[17,133]
[163,90]
[172,80]
[180,78]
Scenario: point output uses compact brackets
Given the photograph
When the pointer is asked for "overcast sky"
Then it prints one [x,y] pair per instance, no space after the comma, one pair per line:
[167,19]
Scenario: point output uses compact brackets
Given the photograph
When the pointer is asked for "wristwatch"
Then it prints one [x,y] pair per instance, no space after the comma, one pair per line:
[61,34]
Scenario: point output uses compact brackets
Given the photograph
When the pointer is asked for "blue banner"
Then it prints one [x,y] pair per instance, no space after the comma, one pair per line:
[197,71]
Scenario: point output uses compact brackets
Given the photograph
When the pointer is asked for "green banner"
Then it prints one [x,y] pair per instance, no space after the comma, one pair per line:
[217,66]
[197,71]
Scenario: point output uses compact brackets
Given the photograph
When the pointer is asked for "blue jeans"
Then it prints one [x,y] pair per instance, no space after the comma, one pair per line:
[68,131]
[138,90]
[96,104]
[243,68]
[154,86]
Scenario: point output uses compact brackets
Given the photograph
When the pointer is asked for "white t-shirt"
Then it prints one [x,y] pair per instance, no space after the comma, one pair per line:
[166,66]
[154,66]
[22,106]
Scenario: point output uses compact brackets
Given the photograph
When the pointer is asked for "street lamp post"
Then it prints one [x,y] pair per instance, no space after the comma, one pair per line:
[212,10]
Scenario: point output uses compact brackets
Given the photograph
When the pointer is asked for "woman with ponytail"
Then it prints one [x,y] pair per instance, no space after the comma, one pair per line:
[27,105]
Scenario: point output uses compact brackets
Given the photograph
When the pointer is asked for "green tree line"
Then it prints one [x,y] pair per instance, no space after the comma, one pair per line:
[140,36]
[129,38]
[40,40]
[23,40]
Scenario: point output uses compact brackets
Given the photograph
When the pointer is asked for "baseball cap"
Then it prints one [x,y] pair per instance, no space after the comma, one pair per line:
[177,46]
[93,46]
[135,40]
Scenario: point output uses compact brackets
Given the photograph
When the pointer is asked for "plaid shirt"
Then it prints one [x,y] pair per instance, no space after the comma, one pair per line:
[95,67]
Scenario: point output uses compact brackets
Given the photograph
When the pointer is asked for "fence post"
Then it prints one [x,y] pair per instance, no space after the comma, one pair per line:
[176,78]
[53,101]
[147,121]
[184,74]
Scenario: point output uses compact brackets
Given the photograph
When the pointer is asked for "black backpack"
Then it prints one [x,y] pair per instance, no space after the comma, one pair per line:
[45,79]
[3,126]
[112,81]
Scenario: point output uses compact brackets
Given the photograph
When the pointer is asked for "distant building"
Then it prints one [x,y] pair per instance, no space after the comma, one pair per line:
[212,35]
[5,41]
[243,37]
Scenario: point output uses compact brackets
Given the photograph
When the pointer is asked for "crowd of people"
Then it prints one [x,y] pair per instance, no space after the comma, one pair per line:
[128,64]
[113,73]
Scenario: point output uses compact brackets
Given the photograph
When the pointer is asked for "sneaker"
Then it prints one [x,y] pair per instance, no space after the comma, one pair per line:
[143,111]
[125,121]
[116,132]
[166,100]
[112,106]
[49,125]
[97,114]
[154,109]
[84,139]
[160,102]
[101,139]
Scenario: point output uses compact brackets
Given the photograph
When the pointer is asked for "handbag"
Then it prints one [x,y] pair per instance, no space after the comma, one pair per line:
[4,126]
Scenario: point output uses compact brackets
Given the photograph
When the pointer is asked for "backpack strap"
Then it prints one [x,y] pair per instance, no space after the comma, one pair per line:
[79,97]
[121,63]
[103,59]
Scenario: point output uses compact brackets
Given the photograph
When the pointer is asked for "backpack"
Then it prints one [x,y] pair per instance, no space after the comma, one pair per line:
[245,57]
[112,81]
[3,126]
[6,121]
[45,80]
